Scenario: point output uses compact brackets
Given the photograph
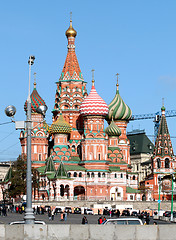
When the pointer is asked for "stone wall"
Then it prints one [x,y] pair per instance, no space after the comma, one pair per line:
[87,232]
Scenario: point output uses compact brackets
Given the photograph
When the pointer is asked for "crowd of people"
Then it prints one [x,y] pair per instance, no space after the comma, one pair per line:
[50,211]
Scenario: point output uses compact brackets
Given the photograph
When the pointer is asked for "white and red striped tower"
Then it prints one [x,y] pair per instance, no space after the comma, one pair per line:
[95,142]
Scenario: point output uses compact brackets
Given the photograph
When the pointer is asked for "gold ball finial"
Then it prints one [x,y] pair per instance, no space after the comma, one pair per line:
[71,32]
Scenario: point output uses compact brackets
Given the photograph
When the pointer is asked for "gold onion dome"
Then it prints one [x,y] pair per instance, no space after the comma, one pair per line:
[113,130]
[60,126]
[71,32]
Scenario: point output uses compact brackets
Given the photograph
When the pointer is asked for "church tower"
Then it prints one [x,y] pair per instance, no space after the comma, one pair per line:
[121,114]
[70,93]
[39,133]
[163,156]
[95,142]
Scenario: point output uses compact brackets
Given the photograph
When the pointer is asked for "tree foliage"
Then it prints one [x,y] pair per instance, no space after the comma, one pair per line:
[18,180]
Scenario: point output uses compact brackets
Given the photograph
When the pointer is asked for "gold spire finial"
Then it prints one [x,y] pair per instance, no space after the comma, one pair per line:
[93,81]
[117,81]
[35,80]
[163,102]
[70,16]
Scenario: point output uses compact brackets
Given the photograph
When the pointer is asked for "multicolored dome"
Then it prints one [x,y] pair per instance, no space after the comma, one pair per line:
[46,126]
[36,101]
[60,126]
[94,104]
[118,109]
[113,130]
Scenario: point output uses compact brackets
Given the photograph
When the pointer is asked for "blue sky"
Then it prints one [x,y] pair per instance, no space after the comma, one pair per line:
[134,38]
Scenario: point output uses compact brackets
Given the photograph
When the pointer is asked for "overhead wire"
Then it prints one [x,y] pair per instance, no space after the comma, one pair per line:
[7,136]
[5,123]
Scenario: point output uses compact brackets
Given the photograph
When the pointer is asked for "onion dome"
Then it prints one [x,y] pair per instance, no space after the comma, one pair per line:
[36,101]
[71,32]
[46,126]
[94,104]
[113,130]
[163,108]
[118,109]
[60,126]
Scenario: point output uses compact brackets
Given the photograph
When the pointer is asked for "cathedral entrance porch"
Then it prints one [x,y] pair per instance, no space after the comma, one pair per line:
[79,193]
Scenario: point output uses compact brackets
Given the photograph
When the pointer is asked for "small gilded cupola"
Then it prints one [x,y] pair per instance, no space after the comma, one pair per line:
[36,100]
[118,109]
[71,32]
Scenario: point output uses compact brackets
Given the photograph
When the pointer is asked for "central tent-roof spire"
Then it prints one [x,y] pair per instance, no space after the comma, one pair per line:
[71,69]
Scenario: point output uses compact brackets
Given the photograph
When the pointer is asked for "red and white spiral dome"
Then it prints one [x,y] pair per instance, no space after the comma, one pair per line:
[93,104]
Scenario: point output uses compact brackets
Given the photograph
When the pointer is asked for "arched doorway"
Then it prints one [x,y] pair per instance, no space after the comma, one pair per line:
[67,191]
[116,193]
[79,193]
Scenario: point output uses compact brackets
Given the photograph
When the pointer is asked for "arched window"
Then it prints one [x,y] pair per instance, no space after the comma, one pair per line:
[75,174]
[115,175]
[73,148]
[99,156]
[158,163]
[133,177]
[92,174]
[103,175]
[69,174]
[167,164]
[88,174]
[80,174]
[121,175]
[127,176]
[62,190]
[99,174]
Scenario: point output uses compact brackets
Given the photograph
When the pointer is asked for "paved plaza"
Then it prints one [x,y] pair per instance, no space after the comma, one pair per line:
[71,219]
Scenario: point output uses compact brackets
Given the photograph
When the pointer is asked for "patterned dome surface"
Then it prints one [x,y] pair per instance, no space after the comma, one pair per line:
[113,130]
[118,109]
[46,126]
[36,101]
[60,126]
[94,104]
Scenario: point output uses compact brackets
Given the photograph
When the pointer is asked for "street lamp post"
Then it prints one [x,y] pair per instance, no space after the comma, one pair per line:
[172,197]
[29,215]
[159,201]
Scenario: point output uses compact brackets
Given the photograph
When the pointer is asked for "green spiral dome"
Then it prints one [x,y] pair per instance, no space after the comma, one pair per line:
[118,110]
[60,126]
[113,130]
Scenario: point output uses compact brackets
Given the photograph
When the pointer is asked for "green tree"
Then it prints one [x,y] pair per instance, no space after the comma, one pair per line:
[18,179]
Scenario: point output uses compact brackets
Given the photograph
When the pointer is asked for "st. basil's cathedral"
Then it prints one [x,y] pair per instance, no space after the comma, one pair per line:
[75,157]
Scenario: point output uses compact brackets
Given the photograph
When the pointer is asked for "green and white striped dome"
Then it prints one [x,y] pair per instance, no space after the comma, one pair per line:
[113,130]
[118,110]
